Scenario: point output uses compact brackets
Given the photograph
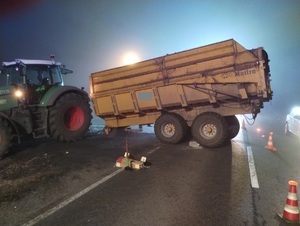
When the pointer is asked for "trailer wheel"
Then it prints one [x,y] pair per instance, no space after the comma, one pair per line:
[170,128]
[233,125]
[210,130]
[5,137]
[69,118]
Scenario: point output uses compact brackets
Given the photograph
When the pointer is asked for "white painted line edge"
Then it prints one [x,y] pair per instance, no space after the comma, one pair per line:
[71,199]
[79,194]
[152,151]
[253,175]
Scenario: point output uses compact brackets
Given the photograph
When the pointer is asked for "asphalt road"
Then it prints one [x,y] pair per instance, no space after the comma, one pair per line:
[183,186]
[274,168]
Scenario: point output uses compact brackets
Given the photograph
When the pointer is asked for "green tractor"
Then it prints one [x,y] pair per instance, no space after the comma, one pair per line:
[35,103]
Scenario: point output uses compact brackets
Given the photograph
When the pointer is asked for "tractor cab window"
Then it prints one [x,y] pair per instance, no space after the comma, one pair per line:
[3,78]
[43,75]
[41,78]
[56,76]
[10,75]
[38,75]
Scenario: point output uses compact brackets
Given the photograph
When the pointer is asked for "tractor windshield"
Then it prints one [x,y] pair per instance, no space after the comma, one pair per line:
[43,74]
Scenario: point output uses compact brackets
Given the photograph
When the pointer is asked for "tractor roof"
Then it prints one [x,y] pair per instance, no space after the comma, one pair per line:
[27,62]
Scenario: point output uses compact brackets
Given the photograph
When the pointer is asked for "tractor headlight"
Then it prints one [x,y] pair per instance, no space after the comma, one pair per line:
[19,94]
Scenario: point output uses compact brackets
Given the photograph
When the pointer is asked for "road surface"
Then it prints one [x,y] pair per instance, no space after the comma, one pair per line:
[242,183]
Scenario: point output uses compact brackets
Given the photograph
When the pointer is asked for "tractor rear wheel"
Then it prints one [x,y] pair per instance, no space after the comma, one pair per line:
[5,137]
[70,118]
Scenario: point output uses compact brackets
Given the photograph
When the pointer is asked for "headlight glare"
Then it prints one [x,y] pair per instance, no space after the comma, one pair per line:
[19,94]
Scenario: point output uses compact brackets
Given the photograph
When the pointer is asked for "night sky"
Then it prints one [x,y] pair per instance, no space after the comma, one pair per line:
[90,35]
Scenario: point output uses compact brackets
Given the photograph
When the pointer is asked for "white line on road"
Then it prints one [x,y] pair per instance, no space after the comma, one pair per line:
[153,150]
[253,175]
[79,194]
[71,199]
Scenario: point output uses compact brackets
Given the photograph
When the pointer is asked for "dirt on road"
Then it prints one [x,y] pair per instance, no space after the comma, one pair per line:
[38,175]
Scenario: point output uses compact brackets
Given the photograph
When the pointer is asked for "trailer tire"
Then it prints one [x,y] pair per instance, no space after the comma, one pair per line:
[5,137]
[70,118]
[170,128]
[233,125]
[210,130]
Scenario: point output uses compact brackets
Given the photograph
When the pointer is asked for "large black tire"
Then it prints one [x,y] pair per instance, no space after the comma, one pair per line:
[210,130]
[233,125]
[170,128]
[5,137]
[70,118]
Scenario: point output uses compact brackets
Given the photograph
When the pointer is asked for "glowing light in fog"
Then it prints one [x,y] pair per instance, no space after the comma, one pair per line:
[19,93]
[130,58]
[296,111]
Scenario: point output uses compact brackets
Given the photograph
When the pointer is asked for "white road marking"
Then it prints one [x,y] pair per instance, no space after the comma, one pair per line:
[152,151]
[71,199]
[79,194]
[253,175]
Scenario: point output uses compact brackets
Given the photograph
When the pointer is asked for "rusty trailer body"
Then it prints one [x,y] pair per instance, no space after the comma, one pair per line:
[202,89]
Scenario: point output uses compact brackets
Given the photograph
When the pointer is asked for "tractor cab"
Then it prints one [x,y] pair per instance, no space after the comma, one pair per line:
[32,77]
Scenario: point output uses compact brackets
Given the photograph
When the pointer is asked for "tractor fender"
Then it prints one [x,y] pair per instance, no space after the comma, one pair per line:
[55,92]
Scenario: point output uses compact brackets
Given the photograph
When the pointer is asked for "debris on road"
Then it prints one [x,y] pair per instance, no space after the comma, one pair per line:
[18,178]
[129,163]
[194,144]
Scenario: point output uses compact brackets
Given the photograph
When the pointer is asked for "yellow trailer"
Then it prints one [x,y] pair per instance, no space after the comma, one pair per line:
[201,89]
